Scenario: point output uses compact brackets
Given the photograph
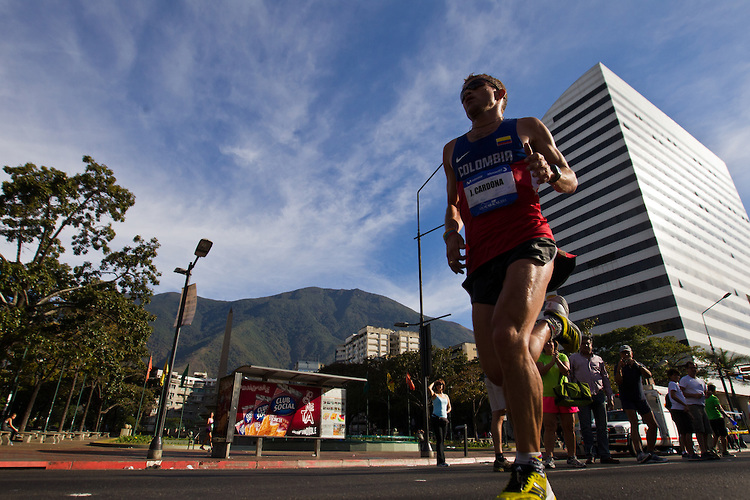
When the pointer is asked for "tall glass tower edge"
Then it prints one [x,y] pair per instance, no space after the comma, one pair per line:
[658,226]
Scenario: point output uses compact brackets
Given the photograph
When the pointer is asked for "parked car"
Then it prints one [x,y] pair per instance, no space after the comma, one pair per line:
[618,428]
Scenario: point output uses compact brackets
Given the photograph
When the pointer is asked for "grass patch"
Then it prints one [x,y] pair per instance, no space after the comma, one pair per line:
[146,439]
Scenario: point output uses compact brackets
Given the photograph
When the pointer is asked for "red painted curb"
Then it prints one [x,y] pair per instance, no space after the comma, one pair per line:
[23,464]
[281,464]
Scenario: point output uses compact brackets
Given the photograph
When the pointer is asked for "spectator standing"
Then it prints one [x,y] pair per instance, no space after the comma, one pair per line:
[441,407]
[680,415]
[716,414]
[587,367]
[209,432]
[552,365]
[499,409]
[694,390]
[629,375]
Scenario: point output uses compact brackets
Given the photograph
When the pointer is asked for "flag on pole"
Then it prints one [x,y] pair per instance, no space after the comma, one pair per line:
[150,365]
[409,382]
[164,373]
[389,381]
[184,376]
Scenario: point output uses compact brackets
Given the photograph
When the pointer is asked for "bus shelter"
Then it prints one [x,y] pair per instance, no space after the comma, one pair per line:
[257,402]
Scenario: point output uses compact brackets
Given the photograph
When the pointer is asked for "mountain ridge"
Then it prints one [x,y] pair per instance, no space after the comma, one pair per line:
[277,331]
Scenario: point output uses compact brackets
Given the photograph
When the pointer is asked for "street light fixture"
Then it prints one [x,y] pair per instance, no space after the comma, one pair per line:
[713,351]
[402,324]
[155,449]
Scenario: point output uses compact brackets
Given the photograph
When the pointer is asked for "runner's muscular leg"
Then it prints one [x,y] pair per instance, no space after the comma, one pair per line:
[513,336]
[482,322]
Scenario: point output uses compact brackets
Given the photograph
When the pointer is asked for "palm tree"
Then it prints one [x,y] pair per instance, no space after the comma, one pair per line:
[726,362]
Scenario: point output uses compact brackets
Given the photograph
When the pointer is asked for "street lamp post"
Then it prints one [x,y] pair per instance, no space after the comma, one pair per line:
[424,333]
[713,351]
[155,449]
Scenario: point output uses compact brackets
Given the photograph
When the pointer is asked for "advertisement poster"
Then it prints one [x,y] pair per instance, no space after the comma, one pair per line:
[333,414]
[224,404]
[278,410]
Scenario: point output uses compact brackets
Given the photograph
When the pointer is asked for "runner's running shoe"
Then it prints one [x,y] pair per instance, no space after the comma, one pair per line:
[502,465]
[558,304]
[573,461]
[526,482]
[563,330]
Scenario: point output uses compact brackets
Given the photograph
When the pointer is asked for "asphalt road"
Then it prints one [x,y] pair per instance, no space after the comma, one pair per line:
[727,478]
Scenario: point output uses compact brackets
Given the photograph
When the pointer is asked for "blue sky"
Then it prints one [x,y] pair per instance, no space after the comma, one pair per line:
[294,135]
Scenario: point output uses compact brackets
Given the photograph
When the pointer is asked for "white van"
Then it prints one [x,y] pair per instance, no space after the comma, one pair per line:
[618,425]
[667,438]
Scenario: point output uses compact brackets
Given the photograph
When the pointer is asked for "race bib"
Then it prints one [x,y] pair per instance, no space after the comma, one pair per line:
[491,189]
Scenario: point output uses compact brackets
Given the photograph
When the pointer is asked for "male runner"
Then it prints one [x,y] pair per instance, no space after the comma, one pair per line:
[493,173]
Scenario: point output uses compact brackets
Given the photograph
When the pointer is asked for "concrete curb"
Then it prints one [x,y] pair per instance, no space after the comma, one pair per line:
[225,464]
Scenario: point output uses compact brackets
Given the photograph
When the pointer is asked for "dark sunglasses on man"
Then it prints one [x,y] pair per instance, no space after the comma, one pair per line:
[475,84]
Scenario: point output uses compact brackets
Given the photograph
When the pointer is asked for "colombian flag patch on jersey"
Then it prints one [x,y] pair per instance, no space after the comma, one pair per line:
[502,141]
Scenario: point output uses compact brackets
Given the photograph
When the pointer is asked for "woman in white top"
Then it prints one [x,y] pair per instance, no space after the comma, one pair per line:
[678,410]
[441,407]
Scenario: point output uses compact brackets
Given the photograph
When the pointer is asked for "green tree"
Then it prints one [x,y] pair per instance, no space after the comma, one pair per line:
[52,312]
[469,388]
[464,380]
[658,354]
[729,362]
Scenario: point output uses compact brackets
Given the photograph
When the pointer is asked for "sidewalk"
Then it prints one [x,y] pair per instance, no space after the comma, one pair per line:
[81,455]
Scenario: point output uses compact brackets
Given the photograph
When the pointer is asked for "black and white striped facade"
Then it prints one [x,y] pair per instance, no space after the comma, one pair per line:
[657,224]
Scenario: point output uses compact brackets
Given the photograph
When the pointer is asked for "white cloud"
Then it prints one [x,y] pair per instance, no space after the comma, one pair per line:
[295,136]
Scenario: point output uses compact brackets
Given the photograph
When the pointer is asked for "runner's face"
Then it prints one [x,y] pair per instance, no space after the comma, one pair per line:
[475,84]
[479,95]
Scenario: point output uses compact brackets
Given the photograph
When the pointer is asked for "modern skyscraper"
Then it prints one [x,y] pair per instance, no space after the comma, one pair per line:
[659,229]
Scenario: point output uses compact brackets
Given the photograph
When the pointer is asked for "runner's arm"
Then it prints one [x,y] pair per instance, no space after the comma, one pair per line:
[454,242]
[534,133]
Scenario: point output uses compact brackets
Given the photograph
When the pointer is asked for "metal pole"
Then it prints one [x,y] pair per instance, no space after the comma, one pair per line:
[140,406]
[466,440]
[713,351]
[182,412]
[155,448]
[408,415]
[426,450]
[54,398]
[78,403]
[388,405]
